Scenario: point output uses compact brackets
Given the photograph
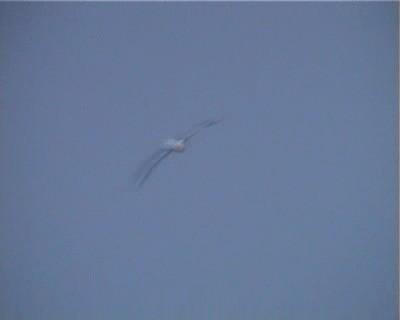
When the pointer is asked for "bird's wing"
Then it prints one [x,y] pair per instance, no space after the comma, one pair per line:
[147,162]
[140,179]
[196,128]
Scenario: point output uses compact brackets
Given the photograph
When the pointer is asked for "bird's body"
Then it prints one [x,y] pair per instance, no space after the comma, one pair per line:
[175,145]
[172,145]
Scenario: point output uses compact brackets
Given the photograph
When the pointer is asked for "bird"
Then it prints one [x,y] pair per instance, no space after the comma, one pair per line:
[177,144]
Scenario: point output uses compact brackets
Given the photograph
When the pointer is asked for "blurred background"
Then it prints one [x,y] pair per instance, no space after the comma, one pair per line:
[286,210]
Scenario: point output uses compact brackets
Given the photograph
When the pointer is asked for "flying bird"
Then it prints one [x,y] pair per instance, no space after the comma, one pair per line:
[172,145]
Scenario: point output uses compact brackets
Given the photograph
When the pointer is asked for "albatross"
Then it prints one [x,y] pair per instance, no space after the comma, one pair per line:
[170,146]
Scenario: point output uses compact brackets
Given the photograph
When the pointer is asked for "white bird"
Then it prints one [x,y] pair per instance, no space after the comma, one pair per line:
[170,146]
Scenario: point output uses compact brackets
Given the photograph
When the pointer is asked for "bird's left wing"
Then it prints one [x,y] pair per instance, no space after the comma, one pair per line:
[141,178]
[147,163]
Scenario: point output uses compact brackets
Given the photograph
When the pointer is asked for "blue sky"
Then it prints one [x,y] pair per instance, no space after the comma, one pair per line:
[286,210]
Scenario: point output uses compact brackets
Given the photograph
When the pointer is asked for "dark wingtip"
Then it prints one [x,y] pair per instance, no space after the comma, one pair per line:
[213,122]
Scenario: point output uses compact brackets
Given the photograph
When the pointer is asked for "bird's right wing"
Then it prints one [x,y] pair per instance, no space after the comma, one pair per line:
[147,167]
[198,127]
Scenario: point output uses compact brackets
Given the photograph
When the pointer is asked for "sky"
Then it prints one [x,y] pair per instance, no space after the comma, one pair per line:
[286,210]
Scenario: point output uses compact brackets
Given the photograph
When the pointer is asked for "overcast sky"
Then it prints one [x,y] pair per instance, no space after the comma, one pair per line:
[286,210]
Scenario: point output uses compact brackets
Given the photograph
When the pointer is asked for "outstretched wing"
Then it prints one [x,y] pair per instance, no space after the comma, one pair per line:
[144,171]
[196,128]
[147,163]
